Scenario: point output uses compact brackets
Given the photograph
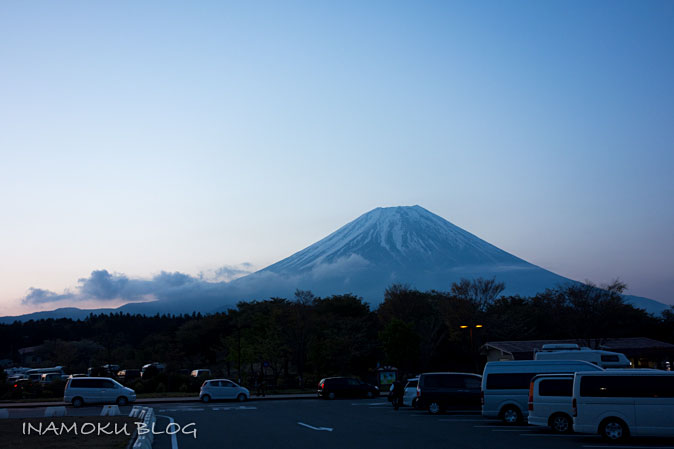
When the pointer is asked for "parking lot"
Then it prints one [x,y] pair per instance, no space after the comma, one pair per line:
[343,424]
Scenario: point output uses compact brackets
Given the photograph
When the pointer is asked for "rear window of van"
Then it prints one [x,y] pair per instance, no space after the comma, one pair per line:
[627,386]
[555,387]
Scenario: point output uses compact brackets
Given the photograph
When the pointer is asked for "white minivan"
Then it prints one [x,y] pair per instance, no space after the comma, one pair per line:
[505,385]
[550,402]
[617,404]
[96,390]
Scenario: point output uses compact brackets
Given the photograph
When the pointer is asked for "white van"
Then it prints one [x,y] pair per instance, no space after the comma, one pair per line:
[505,385]
[550,402]
[617,404]
[96,390]
[605,359]
[38,372]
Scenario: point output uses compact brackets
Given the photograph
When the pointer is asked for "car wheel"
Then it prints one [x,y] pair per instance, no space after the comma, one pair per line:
[206,398]
[241,397]
[614,429]
[560,423]
[331,395]
[434,408]
[370,394]
[78,402]
[511,415]
[122,401]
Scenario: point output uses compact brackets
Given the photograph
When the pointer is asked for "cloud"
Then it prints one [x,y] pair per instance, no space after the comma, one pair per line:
[105,287]
[340,267]
[207,291]
[227,273]
[41,296]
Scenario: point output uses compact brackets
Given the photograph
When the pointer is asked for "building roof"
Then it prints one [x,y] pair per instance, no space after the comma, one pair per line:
[628,346]
[28,350]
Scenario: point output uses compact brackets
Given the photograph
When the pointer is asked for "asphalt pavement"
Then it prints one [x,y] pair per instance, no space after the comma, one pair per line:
[340,424]
[364,423]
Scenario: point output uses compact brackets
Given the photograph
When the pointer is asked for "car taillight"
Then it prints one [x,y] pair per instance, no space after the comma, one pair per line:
[16,385]
[322,385]
[575,407]
[531,397]
[418,391]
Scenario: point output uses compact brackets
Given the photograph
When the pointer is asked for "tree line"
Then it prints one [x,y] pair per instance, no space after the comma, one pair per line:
[297,341]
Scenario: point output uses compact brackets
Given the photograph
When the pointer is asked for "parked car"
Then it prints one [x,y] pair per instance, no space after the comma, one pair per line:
[40,371]
[47,378]
[152,369]
[128,375]
[410,395]
[112,369]
[100,371]
[438,392]
[12,379]
[97,390]
[550,402]
[505,385]
[201,373]
[345,387]
[215,389]
[621,403]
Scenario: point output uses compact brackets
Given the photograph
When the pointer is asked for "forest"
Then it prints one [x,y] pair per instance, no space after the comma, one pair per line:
[297,341]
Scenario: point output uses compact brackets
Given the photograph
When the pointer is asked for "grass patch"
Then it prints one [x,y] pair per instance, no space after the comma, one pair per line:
[15,433]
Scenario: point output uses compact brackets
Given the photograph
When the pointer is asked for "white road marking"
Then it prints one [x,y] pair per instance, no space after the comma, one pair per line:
[329,429]
[174,439]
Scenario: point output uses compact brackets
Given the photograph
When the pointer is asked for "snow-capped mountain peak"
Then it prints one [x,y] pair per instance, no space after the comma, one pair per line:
[403,235]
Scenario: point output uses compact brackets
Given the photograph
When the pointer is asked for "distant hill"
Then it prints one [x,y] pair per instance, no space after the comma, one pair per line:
[407,245]
[65,312]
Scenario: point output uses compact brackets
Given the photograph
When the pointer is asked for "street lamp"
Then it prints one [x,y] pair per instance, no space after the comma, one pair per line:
[470,329]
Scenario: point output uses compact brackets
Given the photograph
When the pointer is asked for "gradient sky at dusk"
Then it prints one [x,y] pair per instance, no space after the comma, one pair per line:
[138,137]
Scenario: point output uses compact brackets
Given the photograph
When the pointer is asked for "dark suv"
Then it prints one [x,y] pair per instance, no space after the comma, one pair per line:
[345,387]
[437,392]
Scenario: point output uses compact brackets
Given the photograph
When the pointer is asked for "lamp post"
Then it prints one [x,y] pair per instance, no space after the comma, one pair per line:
[470,330]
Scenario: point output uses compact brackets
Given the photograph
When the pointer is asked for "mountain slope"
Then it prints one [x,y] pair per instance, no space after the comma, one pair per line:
[402,236]
[407,245]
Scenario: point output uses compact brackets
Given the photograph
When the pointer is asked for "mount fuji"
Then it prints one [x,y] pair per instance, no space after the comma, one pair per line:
[405,245]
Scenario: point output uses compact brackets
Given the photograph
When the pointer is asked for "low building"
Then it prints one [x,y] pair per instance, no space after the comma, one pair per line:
[30,355]
[642,352]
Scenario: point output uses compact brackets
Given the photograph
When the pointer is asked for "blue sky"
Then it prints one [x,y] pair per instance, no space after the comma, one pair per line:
[141,137]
